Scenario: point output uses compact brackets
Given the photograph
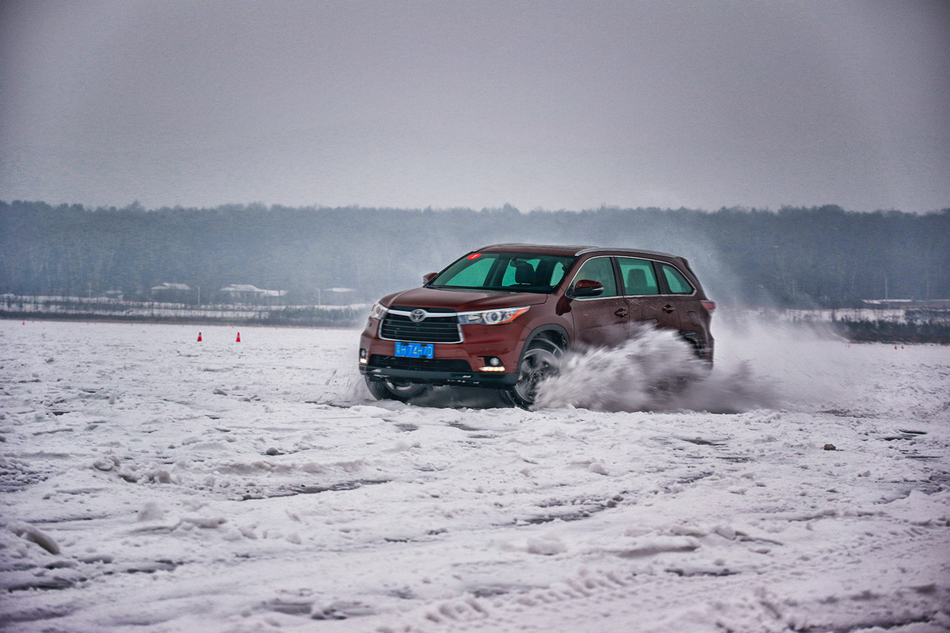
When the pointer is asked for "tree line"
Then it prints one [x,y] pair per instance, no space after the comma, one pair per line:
[793,257]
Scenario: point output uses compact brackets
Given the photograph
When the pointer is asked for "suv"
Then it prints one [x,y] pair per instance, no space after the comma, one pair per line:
[501,316]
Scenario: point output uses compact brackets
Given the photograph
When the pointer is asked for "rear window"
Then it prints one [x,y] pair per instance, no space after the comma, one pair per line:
[676,281]
[515,272]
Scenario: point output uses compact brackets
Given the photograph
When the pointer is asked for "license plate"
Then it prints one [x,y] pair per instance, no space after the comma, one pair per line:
[415,350]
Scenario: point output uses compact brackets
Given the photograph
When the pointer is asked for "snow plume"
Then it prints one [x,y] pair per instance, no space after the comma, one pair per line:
[654,371]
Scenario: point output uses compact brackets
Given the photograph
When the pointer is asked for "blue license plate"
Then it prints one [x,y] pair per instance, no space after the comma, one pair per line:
[415,350]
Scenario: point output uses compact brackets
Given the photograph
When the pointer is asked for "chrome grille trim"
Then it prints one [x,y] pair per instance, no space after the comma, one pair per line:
[436,327]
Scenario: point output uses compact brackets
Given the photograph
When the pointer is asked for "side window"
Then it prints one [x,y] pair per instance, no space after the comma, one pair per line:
[599,269]
[638,276]
[675,280]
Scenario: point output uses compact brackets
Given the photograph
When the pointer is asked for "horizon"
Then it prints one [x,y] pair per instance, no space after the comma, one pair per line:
[136,206]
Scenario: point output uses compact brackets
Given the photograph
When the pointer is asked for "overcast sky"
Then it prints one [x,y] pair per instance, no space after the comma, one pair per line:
[558,105]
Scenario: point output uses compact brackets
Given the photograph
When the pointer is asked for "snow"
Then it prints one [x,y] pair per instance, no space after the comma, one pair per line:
[153,483]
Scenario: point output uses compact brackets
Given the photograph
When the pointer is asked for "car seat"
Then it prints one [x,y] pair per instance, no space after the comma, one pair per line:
[524,273]
[637,282]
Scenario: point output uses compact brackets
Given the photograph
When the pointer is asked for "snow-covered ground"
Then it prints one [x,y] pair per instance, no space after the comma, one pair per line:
[153,483]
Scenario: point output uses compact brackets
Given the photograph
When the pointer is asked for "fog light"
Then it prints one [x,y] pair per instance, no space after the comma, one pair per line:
[363,357]
[492,363]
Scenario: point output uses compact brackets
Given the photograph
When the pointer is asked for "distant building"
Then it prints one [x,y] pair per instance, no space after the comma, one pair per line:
[171,292]
[246,293]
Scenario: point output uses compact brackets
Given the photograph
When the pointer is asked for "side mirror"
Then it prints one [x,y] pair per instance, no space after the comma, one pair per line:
[426,278]
[587,288]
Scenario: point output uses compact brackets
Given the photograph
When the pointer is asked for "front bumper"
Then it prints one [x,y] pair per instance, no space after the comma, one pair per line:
[454,363]
[470,379]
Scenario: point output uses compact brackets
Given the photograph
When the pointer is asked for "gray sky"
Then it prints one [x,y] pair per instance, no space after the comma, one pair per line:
[560,105]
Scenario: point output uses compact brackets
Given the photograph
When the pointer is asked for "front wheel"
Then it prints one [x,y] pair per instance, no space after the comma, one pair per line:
[391,389]
[540,360]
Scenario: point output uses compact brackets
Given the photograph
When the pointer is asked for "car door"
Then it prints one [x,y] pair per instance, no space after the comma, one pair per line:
[641,290]
[600,320]
[679,303]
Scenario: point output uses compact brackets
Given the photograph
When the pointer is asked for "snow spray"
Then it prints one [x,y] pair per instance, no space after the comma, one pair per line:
[654,371]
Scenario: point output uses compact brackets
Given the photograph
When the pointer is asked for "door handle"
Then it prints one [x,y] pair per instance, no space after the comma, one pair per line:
[668,308]
[621,312]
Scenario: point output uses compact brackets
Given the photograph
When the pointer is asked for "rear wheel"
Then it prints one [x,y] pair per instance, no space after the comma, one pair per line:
[540,360]
[391,389]
[695,341]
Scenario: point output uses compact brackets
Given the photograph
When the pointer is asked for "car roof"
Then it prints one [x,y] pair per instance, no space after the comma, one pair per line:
[570,251]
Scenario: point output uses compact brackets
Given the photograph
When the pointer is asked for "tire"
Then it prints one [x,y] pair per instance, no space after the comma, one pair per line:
[695,342]
[388,389]
[540,360]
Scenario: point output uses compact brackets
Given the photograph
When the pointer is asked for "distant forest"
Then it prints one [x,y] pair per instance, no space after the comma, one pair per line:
[793,257]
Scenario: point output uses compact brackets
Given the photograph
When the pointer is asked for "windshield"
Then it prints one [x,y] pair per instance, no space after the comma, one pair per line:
[514,272]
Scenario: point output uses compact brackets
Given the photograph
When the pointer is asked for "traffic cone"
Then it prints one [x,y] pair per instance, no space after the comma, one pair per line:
[199,337]
[239,337]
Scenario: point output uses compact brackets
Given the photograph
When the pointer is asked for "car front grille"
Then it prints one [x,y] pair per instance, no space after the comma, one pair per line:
[422,364]
[435,328]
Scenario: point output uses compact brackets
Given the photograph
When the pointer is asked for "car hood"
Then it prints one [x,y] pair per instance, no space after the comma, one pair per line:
[461,300]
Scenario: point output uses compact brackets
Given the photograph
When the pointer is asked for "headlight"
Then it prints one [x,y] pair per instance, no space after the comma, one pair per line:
[491,317]
[378,312]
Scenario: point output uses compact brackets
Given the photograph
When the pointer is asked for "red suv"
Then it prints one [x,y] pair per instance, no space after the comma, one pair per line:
[501,316]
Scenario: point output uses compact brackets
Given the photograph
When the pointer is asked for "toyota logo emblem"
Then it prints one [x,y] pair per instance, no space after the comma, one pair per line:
[417,316]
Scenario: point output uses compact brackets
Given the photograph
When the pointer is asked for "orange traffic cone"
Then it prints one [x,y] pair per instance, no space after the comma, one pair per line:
[199,337]
[239,337]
